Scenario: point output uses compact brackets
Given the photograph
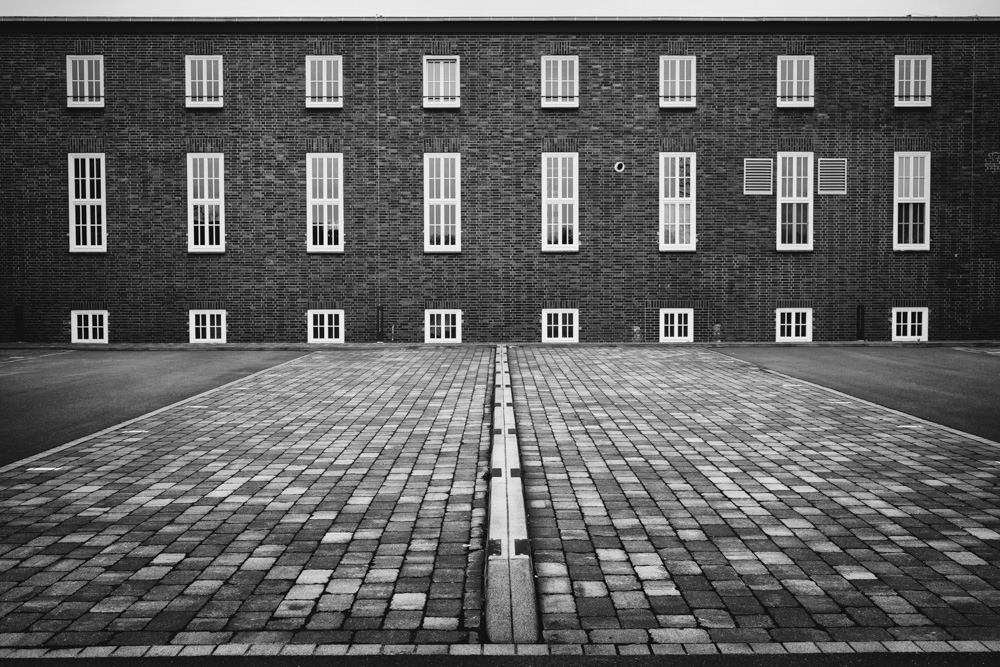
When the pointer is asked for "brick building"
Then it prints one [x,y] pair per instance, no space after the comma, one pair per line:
[499,180]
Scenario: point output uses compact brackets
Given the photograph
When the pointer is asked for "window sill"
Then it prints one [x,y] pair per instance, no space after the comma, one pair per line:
[912,105]
[677,248]
[557,249]
[325,105]
[90,251]
[325,251]
[443,251]
[794,248]
[678,105]
[203,105]
[442,105]
[914,248]
[206,251]
[795,105]
[85,105]
[575,104]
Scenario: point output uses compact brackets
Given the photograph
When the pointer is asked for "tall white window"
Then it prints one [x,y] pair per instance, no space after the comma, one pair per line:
[206,203]
[325,326]
[793,325]
[324,84]
[795,201]
[207,326]
[87,203]
[913,81]
[560,81]
[677,201]
[442,202]
[560,202]
[442,86]
[88,326]
[442,326]
[795,81]
[560,325]
[324,202]
[676,325]
[677,81]
[85,81]
[912,201]
[909,324]
[203,81]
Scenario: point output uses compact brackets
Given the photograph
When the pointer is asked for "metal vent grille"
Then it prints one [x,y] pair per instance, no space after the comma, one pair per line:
[758,176]
[832,174]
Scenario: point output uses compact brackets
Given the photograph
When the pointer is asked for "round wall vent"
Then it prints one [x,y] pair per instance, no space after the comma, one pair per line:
[619,167]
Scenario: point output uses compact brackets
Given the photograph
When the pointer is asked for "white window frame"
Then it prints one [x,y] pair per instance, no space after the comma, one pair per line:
[196,93]
[433,99]
[904,82]
[327,90]
[90,206]
[324,325]
[903,317]
[675,90]
[562,98]
[831,176]
[193,326]
[908,198]
[794,197]
[796,99]
[324,195]
[91,81]
[688,324]
[436,202]
[431,327]
[672,199]
[791,337]
[559,202]
[205,201]
[88,326]
[560,326]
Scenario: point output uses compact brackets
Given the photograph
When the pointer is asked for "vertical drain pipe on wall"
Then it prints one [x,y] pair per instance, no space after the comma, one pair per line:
[379,310]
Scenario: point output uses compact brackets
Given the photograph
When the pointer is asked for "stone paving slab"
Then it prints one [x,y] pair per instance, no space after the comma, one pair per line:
[336,499]
[682,499]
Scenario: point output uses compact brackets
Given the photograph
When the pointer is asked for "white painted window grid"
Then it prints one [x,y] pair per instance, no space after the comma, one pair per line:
[912,201]
[203,81]
[560,202]
[442,326]
[206,202]
[793,325]
[84,81]
[910,324]
[207,326]
[442,82]
[677,201]
[442,202]
[676,325]
[678,81]
[324,82]
[88,326]
[796,81]
[831,178]
[87,203]
[324,202]
[758,176]
[560,325]
[325,326]
[560,81]
[795,201]
[913,81]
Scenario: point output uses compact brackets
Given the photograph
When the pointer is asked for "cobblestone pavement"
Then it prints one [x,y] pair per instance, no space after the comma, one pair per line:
[678,497]
[334,499]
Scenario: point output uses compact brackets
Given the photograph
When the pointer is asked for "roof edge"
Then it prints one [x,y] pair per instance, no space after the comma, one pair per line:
[427,19]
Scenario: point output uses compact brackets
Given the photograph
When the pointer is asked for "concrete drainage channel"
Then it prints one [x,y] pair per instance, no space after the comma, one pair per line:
[511,607]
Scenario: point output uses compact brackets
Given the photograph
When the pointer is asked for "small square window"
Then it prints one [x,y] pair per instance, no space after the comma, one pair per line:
[793,325]
[85,81]
[325,326]
[677,81]
[324,202]
[442,84]
[676,325]
[207,326]
[442,326]
[87,203]
[561,325]
[203,81]
[795,81]
[560,81]
[88,326]
[913,81]
[324,82]
[909,324]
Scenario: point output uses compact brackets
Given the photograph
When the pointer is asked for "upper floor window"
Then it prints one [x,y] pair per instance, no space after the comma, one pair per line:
[795,81]
[676,325]
[560,325]
[913,81]
[203,82]
[677,201]
[324,82]
[560,202]
[87,203]
[325,326]
[442,202]
[793,325]
[912,201]
[324,202]
[795,201]
[442,86]
[207,326]
[206,203]
[677,81]
[88,326]
[442,326]
[85,81]
[909,324]
[560,82]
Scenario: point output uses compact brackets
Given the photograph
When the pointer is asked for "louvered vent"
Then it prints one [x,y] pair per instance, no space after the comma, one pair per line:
[832,176]
[758,176]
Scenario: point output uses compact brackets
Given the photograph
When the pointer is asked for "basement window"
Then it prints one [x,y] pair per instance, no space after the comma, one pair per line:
[909,324]
[88,326]
[560,325]
[207,326]
[793,325]
[325,326]
[442,326]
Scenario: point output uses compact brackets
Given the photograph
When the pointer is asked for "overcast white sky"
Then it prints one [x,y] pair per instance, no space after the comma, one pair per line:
[389,8]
